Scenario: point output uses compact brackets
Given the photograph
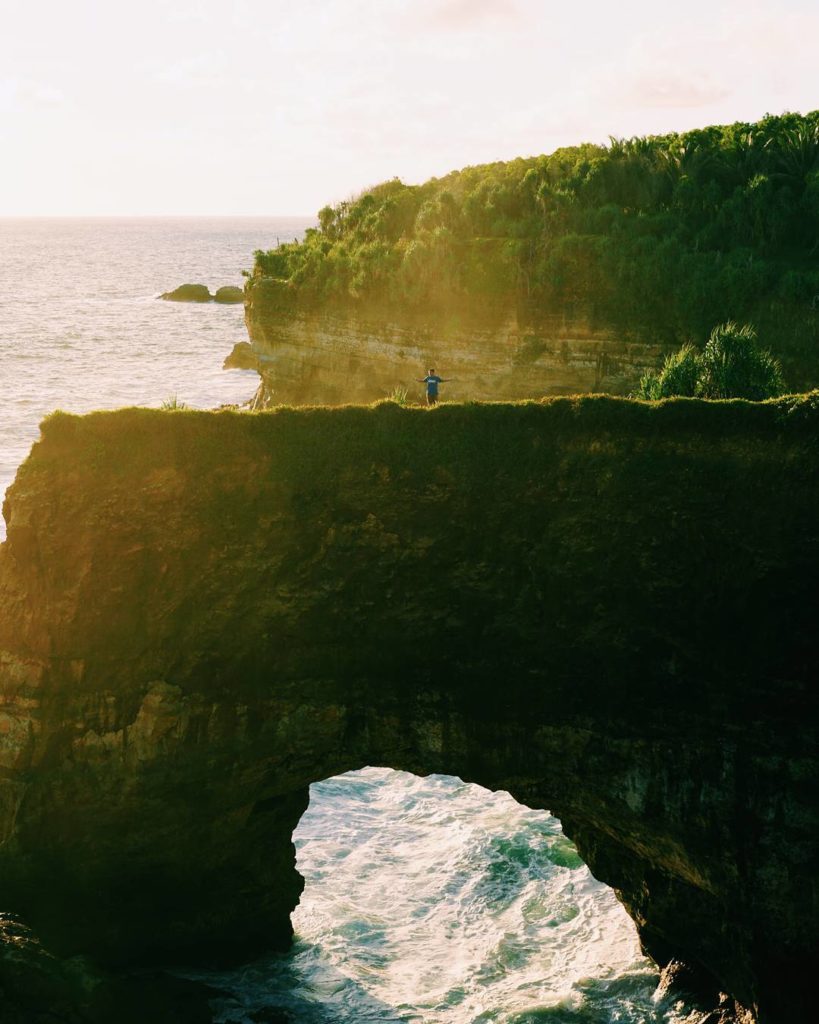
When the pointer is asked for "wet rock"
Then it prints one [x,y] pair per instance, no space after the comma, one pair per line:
[679,980]
[242,357]
[271,1016]
[156,997]
[35,987]
[229,294]
[727,1012]
[188,293]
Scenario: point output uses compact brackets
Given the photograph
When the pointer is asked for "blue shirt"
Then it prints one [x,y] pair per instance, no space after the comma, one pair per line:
[432,384]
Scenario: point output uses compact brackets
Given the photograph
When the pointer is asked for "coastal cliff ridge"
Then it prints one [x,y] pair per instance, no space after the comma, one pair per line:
[605,607]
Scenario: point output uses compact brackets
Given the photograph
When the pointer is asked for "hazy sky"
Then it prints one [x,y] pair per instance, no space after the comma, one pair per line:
[274,107]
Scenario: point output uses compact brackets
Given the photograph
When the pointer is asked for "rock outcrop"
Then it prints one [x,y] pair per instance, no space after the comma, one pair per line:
[226,295]
[38,988]
[241,357]
[318,353]
[188,293]
[229,294]
[606,608]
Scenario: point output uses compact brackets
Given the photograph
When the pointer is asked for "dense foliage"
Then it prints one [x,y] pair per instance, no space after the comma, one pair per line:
[730,366]
[663,235]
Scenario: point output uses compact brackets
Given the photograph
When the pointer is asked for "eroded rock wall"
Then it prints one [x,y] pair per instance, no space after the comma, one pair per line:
[318,354]
[606,608]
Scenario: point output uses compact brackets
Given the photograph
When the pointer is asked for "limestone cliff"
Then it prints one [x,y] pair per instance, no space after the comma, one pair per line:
[604,607]
[320,353]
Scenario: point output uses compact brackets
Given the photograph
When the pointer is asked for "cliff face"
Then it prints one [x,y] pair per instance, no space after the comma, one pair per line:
[605,608]
[328,355]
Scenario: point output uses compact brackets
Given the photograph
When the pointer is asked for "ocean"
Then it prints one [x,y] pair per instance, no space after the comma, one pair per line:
[430,900]
[81,327]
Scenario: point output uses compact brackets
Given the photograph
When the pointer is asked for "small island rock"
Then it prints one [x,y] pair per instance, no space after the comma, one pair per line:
[188,293]
[230,293]
[241,358]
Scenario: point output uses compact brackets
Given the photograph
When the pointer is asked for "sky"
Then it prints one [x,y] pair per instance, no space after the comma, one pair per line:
[267,107]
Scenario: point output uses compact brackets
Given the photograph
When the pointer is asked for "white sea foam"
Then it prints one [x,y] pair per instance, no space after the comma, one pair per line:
[439,902]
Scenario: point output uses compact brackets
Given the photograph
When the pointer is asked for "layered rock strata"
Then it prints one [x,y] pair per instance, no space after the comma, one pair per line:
[606,608]
[319,354]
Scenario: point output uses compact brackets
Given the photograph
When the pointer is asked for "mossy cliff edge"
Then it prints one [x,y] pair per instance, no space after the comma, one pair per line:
[607,608]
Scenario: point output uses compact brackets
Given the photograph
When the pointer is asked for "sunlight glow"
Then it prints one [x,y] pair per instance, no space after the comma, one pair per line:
[271,107]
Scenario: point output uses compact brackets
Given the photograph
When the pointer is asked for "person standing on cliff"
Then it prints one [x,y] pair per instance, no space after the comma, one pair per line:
[432,381]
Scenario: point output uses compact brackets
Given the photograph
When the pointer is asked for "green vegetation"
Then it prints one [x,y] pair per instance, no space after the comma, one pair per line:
[734,367]
[659,237]
[730,366]
[678,376]
[173,402]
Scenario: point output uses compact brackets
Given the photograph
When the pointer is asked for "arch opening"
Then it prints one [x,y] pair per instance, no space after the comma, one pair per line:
[435,901]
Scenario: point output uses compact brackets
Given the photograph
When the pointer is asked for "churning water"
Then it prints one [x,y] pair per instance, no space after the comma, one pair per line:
[435,901]
[427,900]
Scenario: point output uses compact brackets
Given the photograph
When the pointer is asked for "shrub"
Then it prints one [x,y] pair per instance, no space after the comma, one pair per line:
[649,387]
[173,402]
[733,366]
[730,366]
[679,376]
[399,395]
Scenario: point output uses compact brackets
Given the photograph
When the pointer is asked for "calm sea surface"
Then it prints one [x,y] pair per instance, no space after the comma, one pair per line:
[81,327]
[427,900]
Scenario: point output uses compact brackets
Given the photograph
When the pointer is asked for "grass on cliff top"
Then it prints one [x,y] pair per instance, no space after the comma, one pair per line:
[588,410]
[454,431]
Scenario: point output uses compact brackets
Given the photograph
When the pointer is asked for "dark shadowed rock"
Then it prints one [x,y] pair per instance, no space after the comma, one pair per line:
[203,614]
[188,293]
[36,987]
[679,979]
[156,997]
[229,293]
[241,358]
[690,983]
[271,1016]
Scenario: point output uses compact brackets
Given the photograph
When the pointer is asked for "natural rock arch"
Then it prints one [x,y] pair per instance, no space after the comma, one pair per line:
[602,607]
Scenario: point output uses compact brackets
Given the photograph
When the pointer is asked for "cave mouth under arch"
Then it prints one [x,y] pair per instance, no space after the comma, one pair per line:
[429,899]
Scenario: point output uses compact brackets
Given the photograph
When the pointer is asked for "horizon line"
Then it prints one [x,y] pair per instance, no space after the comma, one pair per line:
[158,216]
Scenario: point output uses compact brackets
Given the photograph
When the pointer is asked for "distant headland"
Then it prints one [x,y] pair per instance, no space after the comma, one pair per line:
[577,271]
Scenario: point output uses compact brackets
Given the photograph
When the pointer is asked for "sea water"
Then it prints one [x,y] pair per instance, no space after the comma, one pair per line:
[81,326]
[426,900]
[434,901]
